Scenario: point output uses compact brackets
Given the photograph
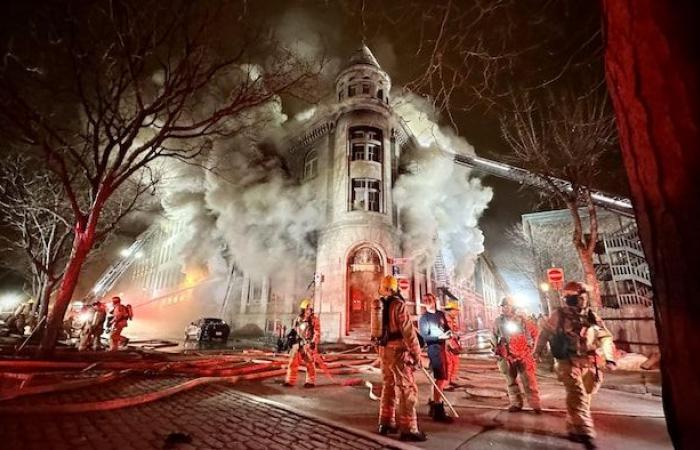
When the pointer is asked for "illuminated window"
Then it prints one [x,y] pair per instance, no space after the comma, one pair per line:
[311,165]
[366,194]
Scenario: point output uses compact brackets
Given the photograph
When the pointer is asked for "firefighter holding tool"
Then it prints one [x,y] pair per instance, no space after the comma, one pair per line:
[304,337]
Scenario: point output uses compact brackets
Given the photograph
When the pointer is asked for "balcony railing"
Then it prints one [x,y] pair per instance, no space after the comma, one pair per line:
[624,272]
[634,299]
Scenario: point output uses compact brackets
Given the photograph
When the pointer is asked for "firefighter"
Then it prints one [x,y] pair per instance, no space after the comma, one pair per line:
[98,323]
[454,348]
[86,315]
[117,321]
[575,335]
[514,339]
[306,332]
[400,354]
[436,332]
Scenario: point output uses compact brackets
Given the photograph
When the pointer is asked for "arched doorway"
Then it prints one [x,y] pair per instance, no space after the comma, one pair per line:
[365,272]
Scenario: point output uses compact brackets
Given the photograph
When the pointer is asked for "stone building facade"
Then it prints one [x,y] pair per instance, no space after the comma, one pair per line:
[350,155]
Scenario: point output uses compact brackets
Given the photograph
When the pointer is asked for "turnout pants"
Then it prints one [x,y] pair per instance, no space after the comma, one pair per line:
[580,382]
[399,390]
[115,336]
[524,369]
[296,356]
[453,367]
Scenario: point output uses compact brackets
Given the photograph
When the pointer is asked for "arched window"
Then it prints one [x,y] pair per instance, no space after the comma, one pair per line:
[380,94]
[311,164]
[351,90]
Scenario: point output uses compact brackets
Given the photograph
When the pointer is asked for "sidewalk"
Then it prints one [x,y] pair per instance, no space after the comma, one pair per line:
[623,420]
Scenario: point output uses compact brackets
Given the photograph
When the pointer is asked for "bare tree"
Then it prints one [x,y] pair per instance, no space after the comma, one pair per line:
[563,135]
[37,228]
[107,89]
[465,54]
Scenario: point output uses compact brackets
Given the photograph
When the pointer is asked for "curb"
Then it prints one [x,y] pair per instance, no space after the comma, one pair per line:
[331,423]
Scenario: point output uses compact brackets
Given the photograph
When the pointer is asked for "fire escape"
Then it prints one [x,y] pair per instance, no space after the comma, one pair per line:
[626,268]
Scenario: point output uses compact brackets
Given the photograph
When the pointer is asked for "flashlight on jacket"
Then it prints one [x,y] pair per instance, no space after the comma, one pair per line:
[512,327]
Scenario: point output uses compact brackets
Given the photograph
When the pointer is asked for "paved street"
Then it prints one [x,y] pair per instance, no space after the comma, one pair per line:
[266,415]
[214,416]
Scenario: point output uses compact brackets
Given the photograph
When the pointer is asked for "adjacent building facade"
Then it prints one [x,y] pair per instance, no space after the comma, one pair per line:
[621,269]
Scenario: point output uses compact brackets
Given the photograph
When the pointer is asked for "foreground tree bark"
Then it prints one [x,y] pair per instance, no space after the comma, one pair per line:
[652,74]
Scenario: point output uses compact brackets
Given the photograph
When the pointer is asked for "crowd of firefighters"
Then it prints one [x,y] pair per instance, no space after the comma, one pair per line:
[95,319]
[573,333]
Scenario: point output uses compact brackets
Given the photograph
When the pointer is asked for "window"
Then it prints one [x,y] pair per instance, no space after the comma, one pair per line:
[365,88]
[366,144]
[380,94]
[351,91]
[365,194]
[340,96]
[311,164]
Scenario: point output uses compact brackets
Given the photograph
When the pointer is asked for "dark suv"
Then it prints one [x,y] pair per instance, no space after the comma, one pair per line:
[207,329]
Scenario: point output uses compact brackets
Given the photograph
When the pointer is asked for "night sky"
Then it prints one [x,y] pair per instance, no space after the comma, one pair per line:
[339,27]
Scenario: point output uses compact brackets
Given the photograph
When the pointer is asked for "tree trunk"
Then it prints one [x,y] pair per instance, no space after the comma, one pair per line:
[591,279]
[652,74]
[82,243]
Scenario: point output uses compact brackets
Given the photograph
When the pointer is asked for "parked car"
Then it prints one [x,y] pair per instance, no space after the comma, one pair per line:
[207,329]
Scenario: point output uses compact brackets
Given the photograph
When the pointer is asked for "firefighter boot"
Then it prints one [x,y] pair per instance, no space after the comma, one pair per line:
[439,414]
[418,436]
[387,429]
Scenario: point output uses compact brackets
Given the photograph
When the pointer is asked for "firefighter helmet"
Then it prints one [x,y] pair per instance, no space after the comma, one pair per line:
[575,286]
[452,304]
[389,284]
[305,303]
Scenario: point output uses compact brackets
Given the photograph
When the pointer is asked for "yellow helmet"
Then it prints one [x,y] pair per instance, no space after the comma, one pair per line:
[389,284]
[305,303]
[452,304]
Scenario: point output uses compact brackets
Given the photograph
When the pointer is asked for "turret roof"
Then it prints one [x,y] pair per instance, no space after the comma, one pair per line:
[363,55]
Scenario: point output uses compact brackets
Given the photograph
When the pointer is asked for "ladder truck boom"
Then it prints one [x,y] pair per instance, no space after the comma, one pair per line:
[110,276]
[620,205]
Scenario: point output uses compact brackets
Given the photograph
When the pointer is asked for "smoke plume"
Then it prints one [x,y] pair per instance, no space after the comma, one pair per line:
[439,202]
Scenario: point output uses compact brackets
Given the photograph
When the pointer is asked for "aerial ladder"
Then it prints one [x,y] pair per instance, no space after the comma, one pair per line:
[617,204]
[110,276]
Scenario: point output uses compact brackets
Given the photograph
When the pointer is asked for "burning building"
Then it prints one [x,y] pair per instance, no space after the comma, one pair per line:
[351,160]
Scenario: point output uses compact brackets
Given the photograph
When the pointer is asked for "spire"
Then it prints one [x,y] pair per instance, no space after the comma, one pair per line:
[363,55]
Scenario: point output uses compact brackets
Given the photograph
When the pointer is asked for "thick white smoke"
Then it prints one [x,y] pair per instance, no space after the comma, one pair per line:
[242,196]
[439,203]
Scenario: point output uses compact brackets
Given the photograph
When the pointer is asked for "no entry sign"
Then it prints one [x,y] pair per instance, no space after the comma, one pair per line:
[555,277]
[404,284]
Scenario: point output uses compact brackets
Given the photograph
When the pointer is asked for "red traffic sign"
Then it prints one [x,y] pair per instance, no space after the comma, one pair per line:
[555,277]
[404,284]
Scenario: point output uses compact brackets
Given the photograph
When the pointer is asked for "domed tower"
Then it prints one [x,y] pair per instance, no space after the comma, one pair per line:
[361,232]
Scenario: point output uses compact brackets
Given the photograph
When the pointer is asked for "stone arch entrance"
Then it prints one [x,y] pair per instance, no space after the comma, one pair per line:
[365,270]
